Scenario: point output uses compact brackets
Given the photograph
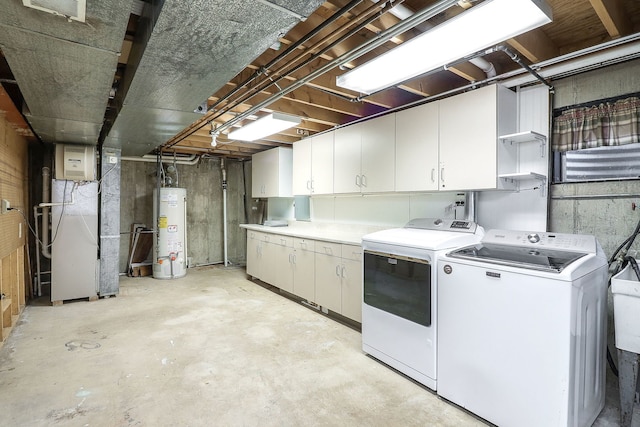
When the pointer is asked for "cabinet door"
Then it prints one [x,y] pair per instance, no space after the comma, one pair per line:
[302,167]
[268,266]
[322,164]
[304,284]
[378,154]
[468,140]
[328,282]
[264,173]
[346,174]
[271,173]
[351,274]
[417,148]
[281,257]
[254,256]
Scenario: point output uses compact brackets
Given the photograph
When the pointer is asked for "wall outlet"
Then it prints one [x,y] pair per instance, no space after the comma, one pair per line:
[5,206]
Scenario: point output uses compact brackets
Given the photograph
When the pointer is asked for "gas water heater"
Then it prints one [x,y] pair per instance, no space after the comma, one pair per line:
[170,242]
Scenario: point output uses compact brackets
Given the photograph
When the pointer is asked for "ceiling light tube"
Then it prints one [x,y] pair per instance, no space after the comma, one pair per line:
[480,27]
[265,126]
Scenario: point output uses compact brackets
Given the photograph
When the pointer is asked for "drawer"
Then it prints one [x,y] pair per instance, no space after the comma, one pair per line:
[352,252]
[304,245]
[328,248]
[255,235]
[280,240]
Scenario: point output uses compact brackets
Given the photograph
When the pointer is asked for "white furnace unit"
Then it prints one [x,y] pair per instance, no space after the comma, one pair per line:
[170,240]
[522,328]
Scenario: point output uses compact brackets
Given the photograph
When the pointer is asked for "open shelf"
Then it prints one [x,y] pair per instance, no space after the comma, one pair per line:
[523,176]
[523,137]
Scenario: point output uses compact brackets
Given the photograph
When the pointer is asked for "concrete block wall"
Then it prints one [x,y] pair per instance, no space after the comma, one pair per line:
[610,219]
[203,182]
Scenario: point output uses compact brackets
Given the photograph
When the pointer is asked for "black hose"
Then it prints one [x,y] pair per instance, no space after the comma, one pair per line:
[631,260]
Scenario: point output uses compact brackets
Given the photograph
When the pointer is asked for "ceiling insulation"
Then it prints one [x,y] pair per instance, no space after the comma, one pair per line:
[184,53]
[64,69]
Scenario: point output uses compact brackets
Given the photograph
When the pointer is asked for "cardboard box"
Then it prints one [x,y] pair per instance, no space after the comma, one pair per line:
[140,269]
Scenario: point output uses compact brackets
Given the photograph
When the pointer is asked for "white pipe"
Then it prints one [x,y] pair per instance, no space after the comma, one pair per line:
[46,197]
[224,210]
[484,65]
[150,158]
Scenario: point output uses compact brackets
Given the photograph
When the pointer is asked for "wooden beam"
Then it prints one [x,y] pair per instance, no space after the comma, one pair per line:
[535,46]
[613,16]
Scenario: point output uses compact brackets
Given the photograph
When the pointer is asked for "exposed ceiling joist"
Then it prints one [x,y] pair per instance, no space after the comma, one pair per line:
[613,16]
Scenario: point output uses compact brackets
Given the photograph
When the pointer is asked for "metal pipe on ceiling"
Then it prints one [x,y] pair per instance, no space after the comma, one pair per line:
[280,74]
[289,49]
[241,116]
[361,50]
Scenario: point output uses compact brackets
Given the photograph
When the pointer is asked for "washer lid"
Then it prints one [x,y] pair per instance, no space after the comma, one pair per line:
[519,256]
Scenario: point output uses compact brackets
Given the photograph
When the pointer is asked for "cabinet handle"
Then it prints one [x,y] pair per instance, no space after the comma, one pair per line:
[364,180]
[295,261]
[358,181]
[283,242]
[342,272]
[433,174]
[311,186]
[442,174]
[338,270]
[308,184]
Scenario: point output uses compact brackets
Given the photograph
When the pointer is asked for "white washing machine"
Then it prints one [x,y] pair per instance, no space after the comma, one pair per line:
[522,328]
[399,315]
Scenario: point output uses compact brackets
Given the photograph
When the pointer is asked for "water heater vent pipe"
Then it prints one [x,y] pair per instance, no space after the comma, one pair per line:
[224,210]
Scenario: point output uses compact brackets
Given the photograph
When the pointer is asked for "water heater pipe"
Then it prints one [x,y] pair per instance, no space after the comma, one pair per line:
[224,210]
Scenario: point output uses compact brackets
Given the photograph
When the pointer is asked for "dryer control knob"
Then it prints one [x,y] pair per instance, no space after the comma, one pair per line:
[534,237]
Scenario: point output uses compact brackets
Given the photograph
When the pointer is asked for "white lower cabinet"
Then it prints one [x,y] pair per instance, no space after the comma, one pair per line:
[255,243]
[351,276]
[339,278]
[326,273]
[280,257]
[303,263]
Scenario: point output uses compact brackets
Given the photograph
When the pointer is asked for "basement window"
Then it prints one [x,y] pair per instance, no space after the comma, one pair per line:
[597,164]
[597,141]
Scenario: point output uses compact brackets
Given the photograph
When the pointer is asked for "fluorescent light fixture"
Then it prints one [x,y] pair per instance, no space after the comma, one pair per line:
[480,27]
[265,126]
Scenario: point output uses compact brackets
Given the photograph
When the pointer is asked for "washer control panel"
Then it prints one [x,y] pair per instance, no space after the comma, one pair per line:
[561,241]
[442,224]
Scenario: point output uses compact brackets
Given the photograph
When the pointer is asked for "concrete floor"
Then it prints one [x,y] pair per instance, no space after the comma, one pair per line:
[209,349]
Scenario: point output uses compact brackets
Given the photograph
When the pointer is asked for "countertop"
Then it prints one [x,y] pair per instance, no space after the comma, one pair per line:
[350,234]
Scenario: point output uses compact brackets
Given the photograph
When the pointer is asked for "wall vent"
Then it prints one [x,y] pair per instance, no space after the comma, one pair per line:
[71,9]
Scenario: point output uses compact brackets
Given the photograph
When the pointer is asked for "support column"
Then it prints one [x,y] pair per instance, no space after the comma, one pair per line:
[109,221]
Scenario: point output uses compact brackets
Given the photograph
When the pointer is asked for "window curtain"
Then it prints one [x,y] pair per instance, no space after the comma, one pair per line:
[606,124]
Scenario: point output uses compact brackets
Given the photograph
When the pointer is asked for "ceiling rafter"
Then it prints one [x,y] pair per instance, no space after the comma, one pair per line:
[614,17]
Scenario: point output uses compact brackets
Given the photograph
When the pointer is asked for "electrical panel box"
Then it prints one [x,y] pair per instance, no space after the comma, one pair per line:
[76,162]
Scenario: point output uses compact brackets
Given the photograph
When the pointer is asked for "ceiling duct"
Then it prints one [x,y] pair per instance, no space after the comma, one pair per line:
[174,66]
[70,9]
[64,69]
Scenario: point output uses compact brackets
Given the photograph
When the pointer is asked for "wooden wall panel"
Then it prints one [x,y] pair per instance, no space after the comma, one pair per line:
[13,185]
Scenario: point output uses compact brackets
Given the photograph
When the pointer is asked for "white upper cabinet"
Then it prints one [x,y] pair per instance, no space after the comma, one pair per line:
[417,148]
[313,165]
[364,156]
[347,163]
[470,123]
[302,167]
[322,163]
[378,154]
[272,173]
